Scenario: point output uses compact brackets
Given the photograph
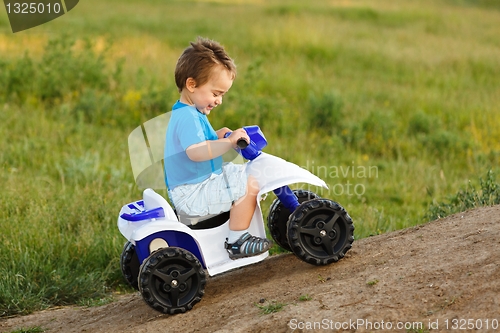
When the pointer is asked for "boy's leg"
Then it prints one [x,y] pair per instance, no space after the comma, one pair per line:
[242,210]
[240,243]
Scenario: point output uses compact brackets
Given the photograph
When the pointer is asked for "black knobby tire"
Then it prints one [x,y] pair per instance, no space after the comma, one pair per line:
[129,263]
[172,280]
[320,232]
[278,217]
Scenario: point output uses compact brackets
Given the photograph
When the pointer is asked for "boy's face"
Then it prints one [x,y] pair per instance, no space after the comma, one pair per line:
[209,95]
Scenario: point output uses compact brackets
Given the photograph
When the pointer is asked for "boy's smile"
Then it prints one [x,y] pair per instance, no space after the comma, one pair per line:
[209,95]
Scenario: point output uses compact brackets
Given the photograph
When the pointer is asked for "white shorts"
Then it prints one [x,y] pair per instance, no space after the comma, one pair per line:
[213,195]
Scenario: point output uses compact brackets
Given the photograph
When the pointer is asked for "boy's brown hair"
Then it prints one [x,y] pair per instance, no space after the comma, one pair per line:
[198,60]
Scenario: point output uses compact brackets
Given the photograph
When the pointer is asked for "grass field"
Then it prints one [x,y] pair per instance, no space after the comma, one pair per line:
[394,104]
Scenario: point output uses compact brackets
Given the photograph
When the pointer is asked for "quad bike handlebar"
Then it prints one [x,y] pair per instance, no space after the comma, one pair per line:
[250,150]
[242,143]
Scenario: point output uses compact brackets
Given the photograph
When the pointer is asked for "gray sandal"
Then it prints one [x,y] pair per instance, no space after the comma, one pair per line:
[247,246]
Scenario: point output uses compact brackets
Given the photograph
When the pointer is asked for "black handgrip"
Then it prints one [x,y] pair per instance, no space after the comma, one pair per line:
[242,143]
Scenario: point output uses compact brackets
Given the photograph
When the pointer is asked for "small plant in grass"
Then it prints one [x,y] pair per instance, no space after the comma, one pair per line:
[91,302]
[321,279]
[372,282]
[470,197]
[34,329]
[271,307]
[417,330]
[325,111]
[304,298]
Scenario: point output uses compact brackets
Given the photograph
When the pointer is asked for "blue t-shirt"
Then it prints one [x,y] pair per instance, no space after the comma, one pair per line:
[187,126]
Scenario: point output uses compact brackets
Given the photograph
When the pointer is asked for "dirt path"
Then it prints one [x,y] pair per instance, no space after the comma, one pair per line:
[445,274]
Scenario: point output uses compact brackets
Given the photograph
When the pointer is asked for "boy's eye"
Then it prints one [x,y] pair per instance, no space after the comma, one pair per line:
[215,94]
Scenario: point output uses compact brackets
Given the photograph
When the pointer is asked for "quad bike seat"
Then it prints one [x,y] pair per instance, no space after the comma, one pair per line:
[204,222]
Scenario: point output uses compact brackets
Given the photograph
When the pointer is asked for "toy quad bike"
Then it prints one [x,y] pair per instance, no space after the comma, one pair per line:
[167,254]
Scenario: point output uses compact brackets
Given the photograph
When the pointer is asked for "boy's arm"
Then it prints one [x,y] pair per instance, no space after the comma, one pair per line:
[211,149]
[208,150]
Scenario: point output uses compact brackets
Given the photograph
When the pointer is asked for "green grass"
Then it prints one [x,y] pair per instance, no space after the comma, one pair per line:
[305,298]
[394,105]
[34,329]
[418,330]
[469,197]
[272,307]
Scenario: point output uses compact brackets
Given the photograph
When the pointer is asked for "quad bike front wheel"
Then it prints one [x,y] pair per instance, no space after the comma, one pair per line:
[129,263]
[278,217]
[172,280]
[320,232]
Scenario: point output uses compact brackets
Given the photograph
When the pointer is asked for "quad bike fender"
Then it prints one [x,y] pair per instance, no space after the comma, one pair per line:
[160,233]
[151,224]
[273,172]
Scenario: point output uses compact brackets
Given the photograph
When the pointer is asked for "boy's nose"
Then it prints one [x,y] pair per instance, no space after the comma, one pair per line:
[218,101]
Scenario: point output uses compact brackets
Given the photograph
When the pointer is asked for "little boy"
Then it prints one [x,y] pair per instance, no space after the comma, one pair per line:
[199,183]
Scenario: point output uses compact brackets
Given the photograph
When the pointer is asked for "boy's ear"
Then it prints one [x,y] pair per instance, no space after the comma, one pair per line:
[190,84]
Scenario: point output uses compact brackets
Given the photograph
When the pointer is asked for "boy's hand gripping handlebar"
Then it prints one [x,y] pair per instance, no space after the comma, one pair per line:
[250,150]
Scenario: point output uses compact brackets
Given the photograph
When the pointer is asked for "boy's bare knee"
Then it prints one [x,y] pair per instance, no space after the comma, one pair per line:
[252,186]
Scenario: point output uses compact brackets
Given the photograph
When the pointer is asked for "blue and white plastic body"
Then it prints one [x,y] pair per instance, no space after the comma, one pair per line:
[151,223]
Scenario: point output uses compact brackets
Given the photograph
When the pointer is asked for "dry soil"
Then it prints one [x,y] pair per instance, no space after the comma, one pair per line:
[443,276]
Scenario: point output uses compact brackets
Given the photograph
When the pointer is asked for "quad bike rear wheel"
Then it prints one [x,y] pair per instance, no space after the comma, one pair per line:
[129,263]
[320,232]
[278,217]
[172,280]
